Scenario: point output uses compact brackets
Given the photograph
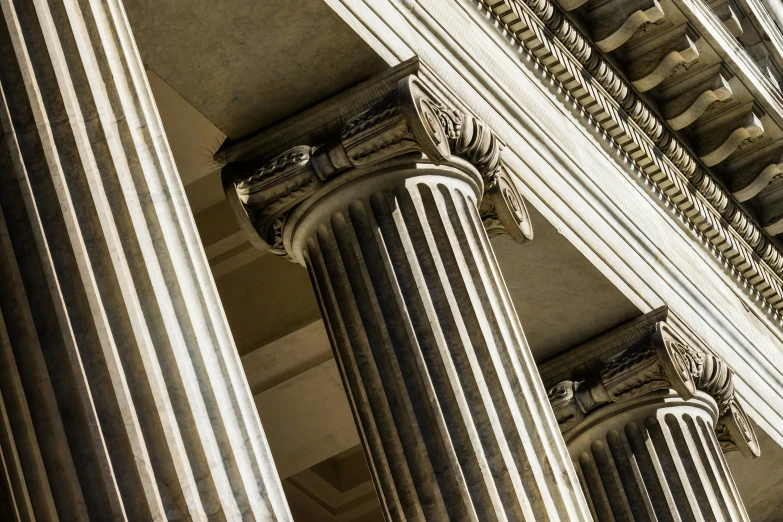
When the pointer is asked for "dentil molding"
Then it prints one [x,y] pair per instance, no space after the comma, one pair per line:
[575,63]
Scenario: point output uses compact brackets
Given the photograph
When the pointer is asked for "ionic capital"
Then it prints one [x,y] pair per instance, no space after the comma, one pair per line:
[407,120]
[659,361]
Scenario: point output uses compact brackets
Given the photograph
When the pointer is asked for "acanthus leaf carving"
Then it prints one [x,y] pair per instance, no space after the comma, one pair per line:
[261,195]
[655,363]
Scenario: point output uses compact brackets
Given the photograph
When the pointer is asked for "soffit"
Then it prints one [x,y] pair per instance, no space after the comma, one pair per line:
[245,64]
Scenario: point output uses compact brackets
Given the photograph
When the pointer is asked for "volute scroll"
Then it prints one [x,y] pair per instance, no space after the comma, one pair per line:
[659,361]
[409,119]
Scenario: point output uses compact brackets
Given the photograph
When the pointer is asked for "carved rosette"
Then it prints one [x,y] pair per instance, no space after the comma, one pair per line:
[410,119]
[658,362]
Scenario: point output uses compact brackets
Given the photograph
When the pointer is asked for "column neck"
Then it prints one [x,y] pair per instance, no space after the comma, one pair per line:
[655,457]
[647,425]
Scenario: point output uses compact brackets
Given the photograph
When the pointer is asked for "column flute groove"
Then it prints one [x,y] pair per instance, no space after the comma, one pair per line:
[647,427]
[135,391]
[386,217]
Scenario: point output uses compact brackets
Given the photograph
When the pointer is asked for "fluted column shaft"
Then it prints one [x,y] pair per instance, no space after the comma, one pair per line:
[655,458]
[452,413]
[122,396]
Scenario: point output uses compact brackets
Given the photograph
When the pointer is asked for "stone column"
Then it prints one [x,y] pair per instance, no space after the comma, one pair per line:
[648,430]
[123,397]
[385,215]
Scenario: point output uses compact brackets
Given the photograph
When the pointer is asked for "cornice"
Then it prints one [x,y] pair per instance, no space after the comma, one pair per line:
[760,14]
[590,80]
[764,91]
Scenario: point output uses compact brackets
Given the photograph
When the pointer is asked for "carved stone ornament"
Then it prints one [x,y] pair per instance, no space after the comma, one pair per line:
[657,362]
[736,433]
[410,119]
[568,410]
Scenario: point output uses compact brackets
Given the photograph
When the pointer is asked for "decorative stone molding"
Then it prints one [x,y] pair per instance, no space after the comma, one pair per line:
[685,104]
[735,432]
[647,414]
[727,12]
[409,119]
[658,361]
[719,137]
[655,59]
[593,82]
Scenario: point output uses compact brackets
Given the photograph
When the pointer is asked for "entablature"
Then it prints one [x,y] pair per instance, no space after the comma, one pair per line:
[716,85]
[598,73]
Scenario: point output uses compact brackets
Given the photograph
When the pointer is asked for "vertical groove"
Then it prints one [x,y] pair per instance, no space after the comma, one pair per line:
[692,464]
[422,338]
[117,330]
[630,476]
[608,473]
[520,427]
[14,498]
[409,365]
[38,387]
[713,447]
[32,485]
[652,474]
[384,340]
[479,422]
[500,426]
[361,400]
[536,425]
[666,466]
[672,470]
[359,345]
[595,488]
[710,468]
[432,346]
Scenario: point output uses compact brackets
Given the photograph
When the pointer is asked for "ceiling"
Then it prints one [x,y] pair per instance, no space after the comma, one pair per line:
[760,481]
[249,64]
